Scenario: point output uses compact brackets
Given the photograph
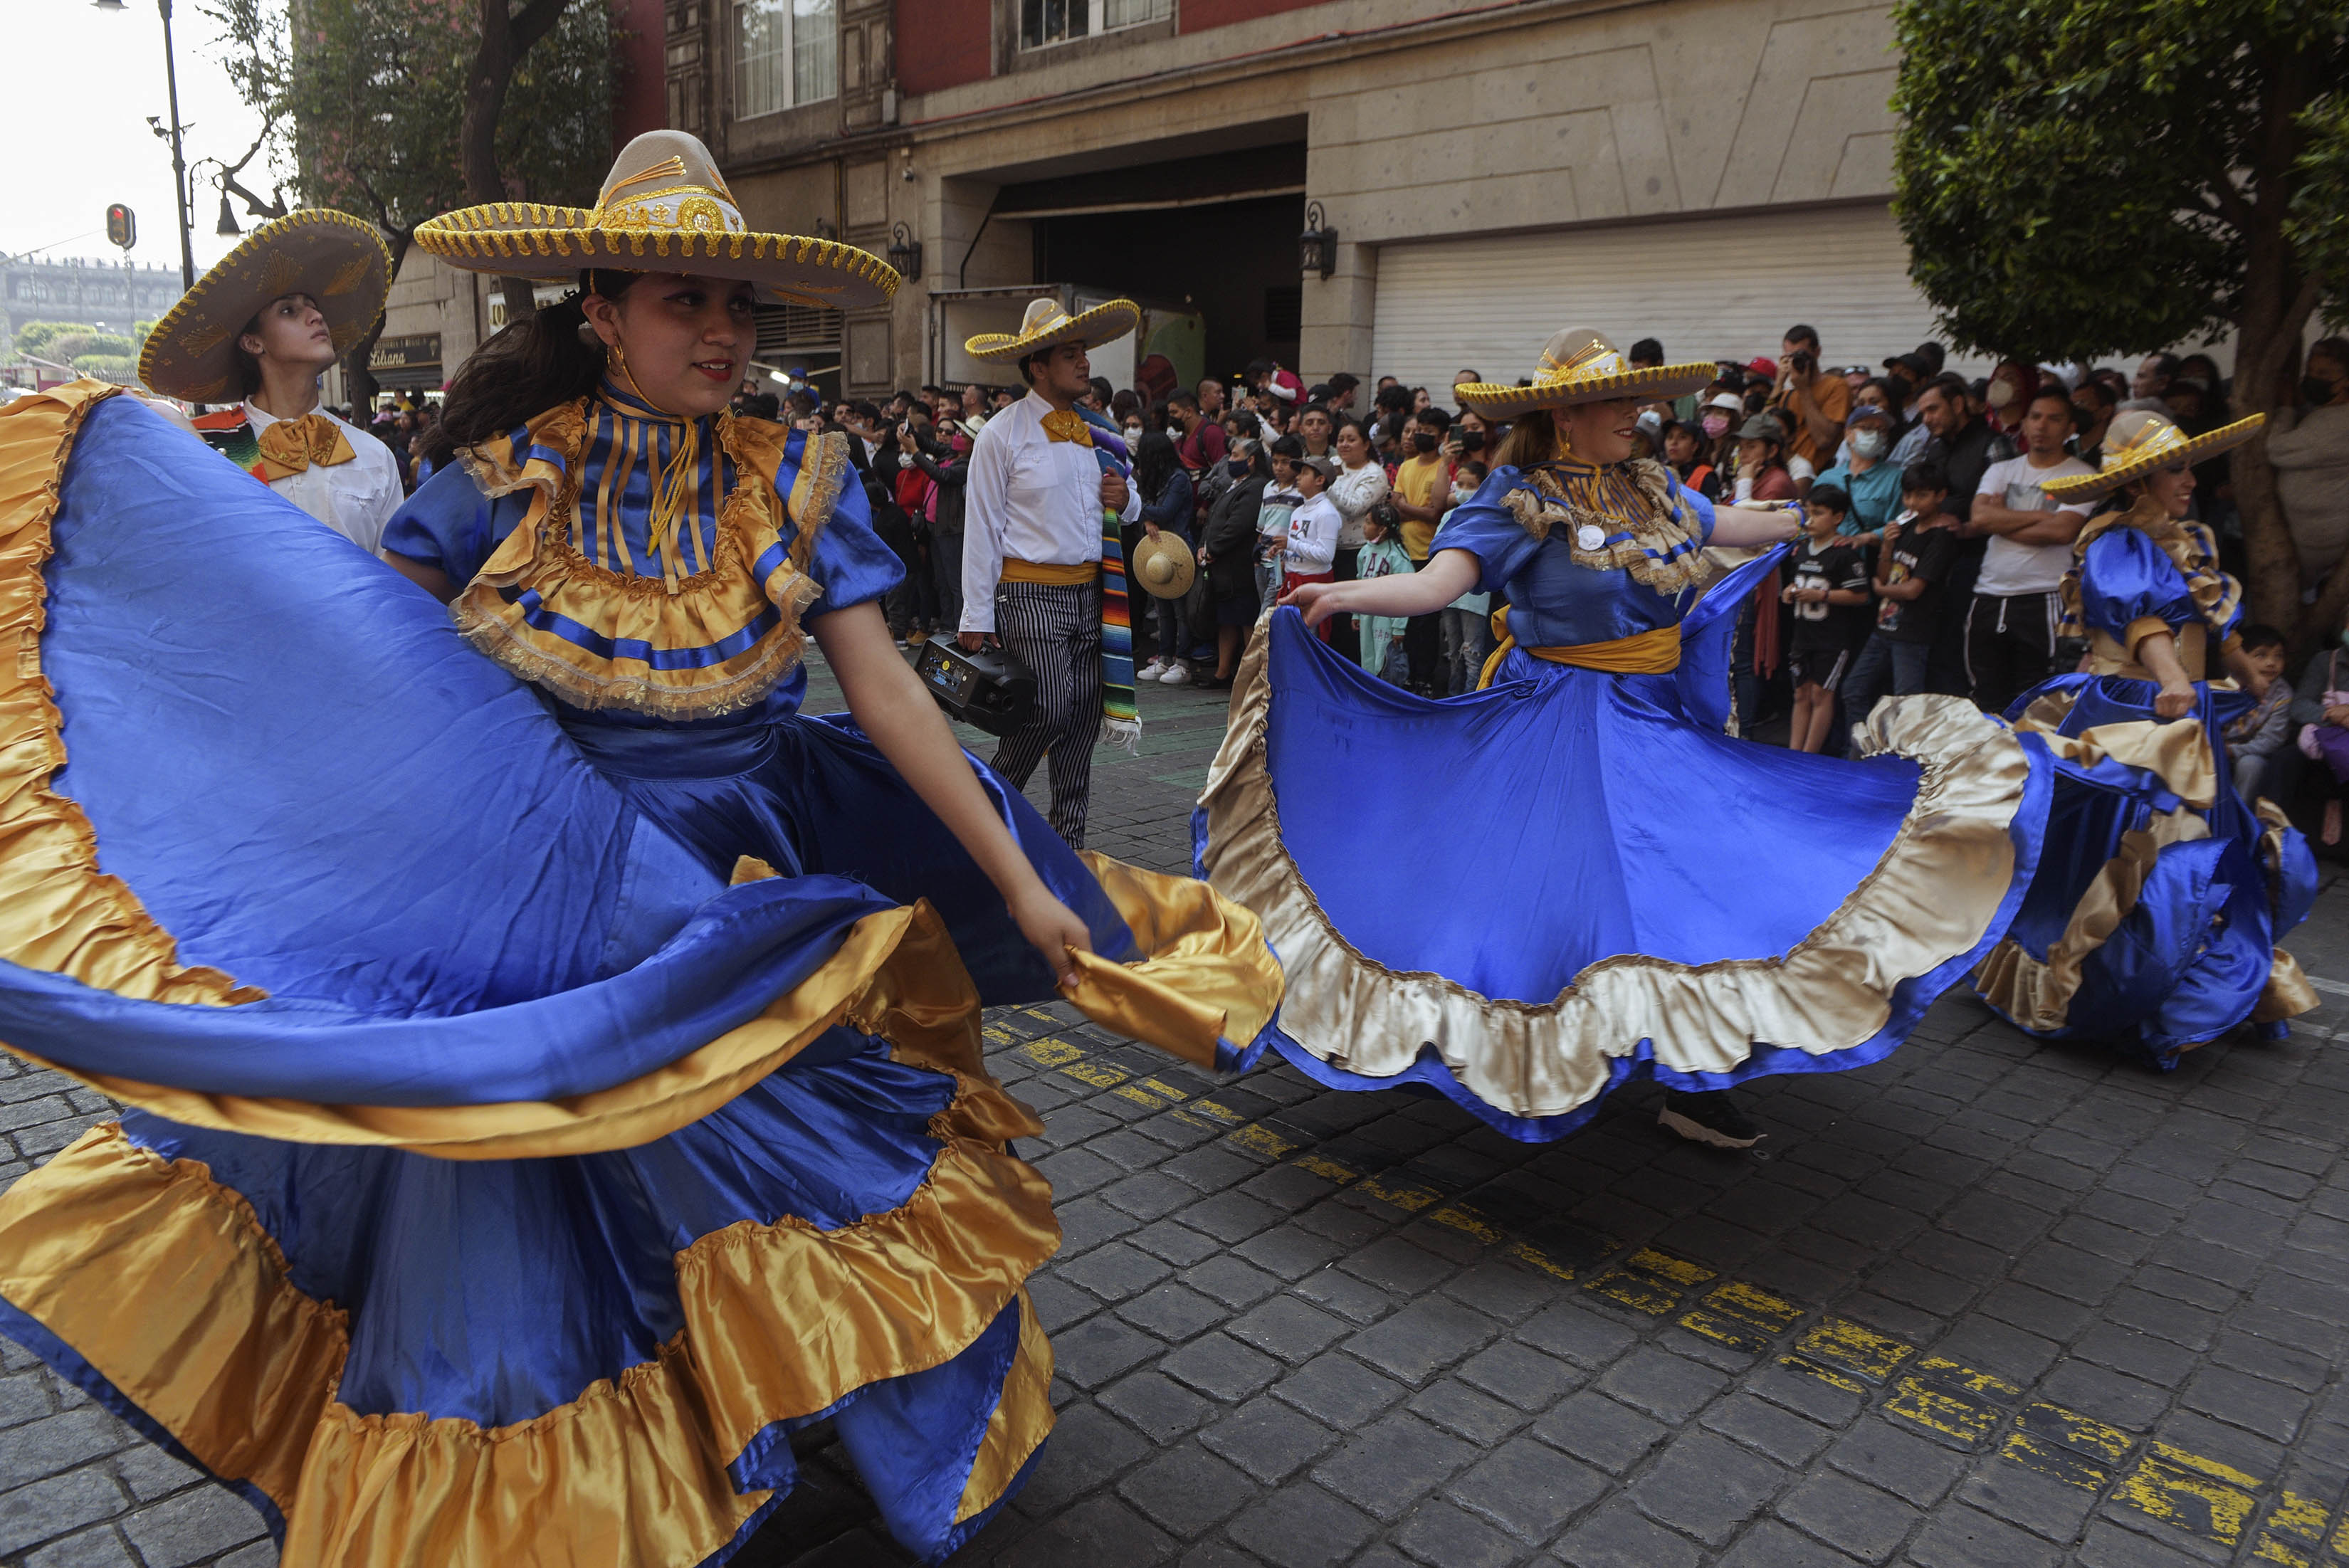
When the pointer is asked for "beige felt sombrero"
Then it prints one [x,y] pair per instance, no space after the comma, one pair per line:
[338,260]
[1047,324]
[2138,441]
[663,208]
[1580,365]
[1163,564]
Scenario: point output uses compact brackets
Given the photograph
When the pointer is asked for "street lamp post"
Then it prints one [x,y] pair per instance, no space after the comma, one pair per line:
[179,153]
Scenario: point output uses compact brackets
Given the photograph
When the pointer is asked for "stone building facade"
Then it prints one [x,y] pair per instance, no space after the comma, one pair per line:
[1704,172]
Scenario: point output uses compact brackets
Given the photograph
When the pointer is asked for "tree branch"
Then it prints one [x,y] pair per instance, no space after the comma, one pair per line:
[533,21]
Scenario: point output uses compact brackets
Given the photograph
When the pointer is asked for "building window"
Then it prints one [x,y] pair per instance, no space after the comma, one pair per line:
[786,53]
[1045,22]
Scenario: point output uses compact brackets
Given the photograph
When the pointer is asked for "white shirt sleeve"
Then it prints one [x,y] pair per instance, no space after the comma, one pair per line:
[986,501]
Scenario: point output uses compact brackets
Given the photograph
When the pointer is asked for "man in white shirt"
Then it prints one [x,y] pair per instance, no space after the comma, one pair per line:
[2011,630]
[264,325]
[1033,541]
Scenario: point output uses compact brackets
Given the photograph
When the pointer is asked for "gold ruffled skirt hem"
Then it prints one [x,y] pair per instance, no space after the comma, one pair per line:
[1939,892]
[163,1284]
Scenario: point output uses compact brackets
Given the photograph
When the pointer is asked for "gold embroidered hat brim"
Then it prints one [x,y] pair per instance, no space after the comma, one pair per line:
[1104,323]
[2119,471]
[1654,384]
[338,260]
[530,239]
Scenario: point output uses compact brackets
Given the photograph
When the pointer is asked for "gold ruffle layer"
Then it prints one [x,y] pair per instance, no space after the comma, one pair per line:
[1931,899]
[544,554]
[2036,992]
[166,1284]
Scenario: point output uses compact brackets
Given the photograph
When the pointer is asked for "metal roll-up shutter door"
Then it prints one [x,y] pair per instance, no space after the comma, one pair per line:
[1707,288]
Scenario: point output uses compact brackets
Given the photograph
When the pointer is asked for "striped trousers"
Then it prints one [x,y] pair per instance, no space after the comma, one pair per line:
[1056,631]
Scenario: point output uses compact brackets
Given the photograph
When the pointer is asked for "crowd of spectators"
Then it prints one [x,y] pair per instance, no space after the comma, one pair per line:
[1933,561]
[1939,574]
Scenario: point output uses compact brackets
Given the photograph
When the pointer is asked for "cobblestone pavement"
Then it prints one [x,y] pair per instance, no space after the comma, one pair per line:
[1987,1303]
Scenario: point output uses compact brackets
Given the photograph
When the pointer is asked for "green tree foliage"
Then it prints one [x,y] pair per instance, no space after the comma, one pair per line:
[2086,178]
[368,99]
[78,343]
[36,336]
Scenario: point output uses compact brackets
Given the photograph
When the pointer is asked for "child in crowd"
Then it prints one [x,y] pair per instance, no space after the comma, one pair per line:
[1920,546]
[2254,740]
[1281,498]
[1830,596]
[1383,555]
[1467,625]
[1313,531]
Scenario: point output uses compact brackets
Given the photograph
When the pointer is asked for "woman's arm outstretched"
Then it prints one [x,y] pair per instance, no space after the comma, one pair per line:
[1452,573]
[888,703]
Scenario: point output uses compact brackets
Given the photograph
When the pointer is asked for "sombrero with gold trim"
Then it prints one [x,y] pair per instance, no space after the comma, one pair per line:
[1047,323]
[338,260]
[663,208]
[2138,441]
[1580,365]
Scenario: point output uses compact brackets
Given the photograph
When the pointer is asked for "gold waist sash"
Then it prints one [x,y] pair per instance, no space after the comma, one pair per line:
[2109,656]
[1652,653]
[1073,574]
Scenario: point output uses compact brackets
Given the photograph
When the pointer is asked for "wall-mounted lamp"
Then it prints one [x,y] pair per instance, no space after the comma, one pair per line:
[1317,248]
[905,253]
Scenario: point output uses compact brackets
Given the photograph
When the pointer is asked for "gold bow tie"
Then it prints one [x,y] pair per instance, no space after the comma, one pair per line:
[1068,425]
[291,446]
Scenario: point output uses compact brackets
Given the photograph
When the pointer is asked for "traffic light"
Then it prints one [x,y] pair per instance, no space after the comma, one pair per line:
[121,225]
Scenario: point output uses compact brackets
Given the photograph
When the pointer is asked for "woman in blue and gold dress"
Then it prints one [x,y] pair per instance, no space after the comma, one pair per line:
[554,1075]
[1523,897]
[2153,920]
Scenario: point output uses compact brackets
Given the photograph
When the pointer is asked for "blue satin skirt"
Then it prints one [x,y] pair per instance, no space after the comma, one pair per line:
[1524,897]
[347,914]
[2202,889]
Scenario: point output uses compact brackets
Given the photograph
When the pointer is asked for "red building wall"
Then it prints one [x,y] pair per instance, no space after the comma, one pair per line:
[1198,16]
[942,44]
[639,94]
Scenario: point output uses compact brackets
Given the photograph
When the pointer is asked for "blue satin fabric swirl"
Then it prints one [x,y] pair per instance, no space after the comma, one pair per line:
[2190,959]
[1563,816]
[313,783]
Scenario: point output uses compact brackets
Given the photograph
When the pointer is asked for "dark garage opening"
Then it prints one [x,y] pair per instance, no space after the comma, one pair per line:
[1218,232]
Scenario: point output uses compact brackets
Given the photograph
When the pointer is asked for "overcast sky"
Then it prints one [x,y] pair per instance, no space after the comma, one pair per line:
[86,82]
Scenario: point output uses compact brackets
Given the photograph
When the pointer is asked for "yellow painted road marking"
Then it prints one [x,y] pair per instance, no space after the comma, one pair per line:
[2189,1491]
[1052,1052]
[2188,1498]
[2055,1462]
[2210,1468]
[2300,1516]
[1862,1352]
[2271,1550]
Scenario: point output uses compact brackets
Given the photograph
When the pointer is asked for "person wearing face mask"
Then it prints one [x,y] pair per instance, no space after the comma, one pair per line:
[1868,473]
[1719,417]
[2153,918]
[1584,878]
[2309,445]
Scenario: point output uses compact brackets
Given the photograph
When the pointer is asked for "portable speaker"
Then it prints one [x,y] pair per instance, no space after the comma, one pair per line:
[990,690]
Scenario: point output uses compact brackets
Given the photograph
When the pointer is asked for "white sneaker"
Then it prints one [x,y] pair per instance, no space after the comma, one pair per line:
[1151,671]
[1176,674]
